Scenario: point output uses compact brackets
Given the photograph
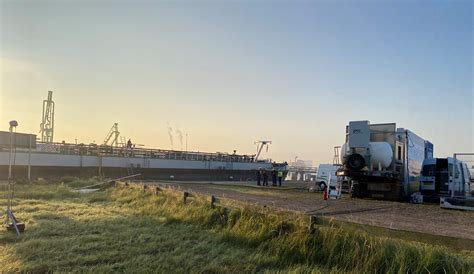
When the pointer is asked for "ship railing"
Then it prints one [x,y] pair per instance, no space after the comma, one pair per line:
[101,150]
[303,169]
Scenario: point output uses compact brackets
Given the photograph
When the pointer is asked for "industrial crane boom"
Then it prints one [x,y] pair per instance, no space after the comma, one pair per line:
[260,145]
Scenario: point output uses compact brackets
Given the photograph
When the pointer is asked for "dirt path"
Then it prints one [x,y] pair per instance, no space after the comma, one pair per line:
[424,218]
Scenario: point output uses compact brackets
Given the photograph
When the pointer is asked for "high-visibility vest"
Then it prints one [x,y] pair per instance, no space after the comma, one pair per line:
[280,174]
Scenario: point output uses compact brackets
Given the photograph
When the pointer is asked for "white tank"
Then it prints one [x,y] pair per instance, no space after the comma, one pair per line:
[343,153]
[381,153]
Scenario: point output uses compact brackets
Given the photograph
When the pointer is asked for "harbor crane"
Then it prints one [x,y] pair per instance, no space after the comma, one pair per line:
[260,145]
[113,135]
[47,124]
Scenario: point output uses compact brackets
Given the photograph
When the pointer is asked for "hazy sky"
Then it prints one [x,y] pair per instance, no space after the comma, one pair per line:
[230,73]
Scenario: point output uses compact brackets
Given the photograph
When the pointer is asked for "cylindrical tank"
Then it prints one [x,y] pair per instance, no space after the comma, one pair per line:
[381,152]
[343,153]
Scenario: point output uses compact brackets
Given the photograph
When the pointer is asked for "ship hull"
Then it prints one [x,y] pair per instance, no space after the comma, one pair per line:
[55,166]
[54,172]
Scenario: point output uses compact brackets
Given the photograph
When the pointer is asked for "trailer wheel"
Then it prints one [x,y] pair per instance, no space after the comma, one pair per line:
[355,189]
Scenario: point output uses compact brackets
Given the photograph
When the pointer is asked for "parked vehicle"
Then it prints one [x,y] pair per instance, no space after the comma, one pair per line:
[383,161]
[325,173]
[438,179]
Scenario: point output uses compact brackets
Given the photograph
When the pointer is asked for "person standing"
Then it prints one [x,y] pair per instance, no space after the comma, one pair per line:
[129,147]
[259,176]
[265,178]
[274,177]
[280,177]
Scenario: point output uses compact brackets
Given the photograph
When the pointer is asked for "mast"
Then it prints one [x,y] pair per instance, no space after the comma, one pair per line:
[47,124]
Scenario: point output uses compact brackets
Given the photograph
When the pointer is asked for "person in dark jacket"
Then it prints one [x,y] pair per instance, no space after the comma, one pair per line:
[274,178]
[265,178]
[259,176]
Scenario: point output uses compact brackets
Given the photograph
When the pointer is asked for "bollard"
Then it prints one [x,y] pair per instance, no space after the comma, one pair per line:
[185,196]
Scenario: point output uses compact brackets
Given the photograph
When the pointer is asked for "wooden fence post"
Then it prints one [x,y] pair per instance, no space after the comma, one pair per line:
[312,224]
[157,190]
[185,196]
[213,201]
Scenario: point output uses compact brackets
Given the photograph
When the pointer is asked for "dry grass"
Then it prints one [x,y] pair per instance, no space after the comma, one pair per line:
[136,231]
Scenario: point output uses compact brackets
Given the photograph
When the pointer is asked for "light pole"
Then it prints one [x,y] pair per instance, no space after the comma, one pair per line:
[13,124]
[12,222]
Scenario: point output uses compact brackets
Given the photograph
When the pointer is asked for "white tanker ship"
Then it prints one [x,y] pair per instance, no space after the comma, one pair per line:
[31,160]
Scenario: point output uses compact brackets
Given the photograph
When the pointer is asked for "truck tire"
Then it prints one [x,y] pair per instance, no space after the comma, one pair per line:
[355,190]
[356,161]
[322,186]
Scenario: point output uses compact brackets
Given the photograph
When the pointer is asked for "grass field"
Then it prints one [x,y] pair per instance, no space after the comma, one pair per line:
[122,229]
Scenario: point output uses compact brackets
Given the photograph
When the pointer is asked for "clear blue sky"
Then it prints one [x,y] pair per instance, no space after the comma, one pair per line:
[231,73]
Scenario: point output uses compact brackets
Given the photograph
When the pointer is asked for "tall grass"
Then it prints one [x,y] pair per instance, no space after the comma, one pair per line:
[130,230]
[286,236]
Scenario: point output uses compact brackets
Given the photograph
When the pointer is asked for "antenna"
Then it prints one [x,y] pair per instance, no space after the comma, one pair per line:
[47,124]
[260,145]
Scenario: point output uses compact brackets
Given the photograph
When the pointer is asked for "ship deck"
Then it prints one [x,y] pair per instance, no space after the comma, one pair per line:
[137,152]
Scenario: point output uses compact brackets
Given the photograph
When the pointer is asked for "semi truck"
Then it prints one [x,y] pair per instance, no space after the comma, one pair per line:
[383,161]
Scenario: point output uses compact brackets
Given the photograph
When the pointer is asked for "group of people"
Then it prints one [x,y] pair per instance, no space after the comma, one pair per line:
[262,176]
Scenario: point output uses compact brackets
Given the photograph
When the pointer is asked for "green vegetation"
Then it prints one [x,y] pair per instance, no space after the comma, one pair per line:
[122,229]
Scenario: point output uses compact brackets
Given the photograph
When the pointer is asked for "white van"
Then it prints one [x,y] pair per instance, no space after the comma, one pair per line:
[324,172]
[437,178]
